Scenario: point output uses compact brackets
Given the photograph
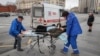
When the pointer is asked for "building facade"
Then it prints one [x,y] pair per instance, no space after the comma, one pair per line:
[8,8]
[88,5]
[25,5]
[75,9]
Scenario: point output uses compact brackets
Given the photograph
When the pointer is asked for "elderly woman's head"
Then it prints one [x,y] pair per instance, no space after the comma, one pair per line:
[91,14]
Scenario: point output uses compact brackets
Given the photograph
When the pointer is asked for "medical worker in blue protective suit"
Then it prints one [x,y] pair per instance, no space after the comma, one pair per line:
[73,29]
[15,30]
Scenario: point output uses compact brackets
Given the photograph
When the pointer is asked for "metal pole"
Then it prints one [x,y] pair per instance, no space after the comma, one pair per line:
[86,9]
[32,15]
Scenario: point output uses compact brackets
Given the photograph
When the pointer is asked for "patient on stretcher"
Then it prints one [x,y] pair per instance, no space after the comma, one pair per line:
[52,30]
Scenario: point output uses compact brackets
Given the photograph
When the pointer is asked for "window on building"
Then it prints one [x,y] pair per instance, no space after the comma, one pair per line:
[47,1]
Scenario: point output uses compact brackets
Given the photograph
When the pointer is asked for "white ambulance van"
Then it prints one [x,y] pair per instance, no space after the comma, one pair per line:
[46,14]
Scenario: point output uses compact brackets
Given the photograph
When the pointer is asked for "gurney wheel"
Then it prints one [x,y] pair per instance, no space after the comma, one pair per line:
[52,49]
[52,46]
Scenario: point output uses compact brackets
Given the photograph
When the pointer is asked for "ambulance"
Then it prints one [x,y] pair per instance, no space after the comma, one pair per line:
[46,14]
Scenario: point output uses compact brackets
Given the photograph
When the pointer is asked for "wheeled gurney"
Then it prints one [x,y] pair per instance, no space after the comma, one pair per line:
[42,34]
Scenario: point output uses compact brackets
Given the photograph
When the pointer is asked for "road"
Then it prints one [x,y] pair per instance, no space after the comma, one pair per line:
[6,21]
[6,39]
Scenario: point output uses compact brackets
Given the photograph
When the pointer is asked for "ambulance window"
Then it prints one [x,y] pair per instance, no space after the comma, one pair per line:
[61,11]
[38,12]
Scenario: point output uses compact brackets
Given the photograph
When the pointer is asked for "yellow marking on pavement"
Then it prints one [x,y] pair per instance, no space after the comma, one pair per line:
[5,46]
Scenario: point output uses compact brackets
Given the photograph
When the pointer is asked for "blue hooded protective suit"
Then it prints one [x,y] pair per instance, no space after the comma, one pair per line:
[16,28]
[73,27]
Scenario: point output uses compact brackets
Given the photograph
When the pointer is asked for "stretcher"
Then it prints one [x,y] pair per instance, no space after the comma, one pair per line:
[41,36]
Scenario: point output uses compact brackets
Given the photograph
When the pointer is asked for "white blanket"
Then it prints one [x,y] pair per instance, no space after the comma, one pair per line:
[29,33]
